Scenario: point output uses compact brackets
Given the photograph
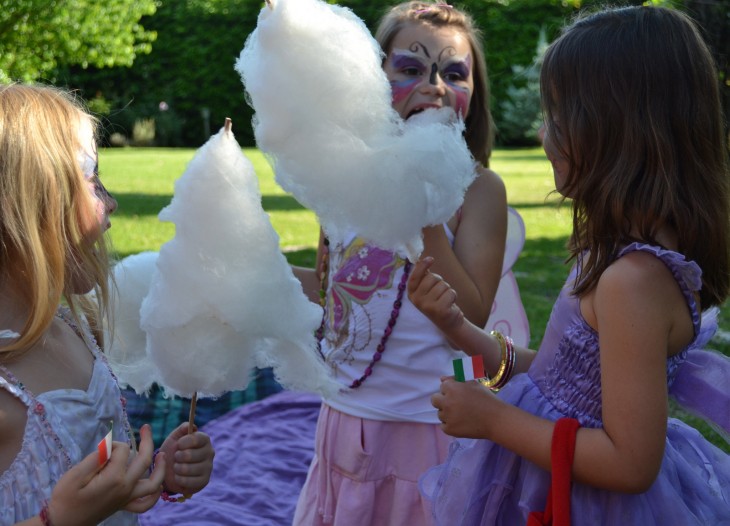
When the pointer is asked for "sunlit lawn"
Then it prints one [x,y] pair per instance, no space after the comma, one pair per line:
[143,181]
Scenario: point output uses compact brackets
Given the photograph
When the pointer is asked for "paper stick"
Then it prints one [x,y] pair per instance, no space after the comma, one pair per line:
[191,420]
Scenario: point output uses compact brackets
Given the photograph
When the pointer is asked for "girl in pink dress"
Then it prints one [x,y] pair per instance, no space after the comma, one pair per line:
[377,437]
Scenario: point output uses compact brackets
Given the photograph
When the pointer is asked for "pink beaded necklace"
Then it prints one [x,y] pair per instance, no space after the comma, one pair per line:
[378,354]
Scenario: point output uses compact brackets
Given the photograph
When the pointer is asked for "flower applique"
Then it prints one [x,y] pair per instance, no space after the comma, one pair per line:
[364,270]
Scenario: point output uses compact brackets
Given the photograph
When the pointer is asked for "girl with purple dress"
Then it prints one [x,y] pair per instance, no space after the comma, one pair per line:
[634,132]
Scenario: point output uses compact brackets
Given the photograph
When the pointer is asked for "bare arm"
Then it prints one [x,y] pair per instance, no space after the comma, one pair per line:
[640,315]
[436,300]
[474,266]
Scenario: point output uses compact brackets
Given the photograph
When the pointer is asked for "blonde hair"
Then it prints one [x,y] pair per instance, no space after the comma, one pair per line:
[479,133]
[43,196]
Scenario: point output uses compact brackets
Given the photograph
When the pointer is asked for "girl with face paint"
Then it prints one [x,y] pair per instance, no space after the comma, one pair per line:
[375,439]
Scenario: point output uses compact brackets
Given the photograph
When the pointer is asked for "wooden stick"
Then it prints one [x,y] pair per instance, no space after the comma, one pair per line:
[228,124]
[191,420]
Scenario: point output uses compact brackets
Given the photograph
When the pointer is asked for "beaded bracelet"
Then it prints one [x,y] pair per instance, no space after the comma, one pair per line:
[45,516]
[167,498]
[507,363]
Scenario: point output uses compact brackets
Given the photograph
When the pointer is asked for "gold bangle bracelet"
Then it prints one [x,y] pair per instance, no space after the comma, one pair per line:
[497,378]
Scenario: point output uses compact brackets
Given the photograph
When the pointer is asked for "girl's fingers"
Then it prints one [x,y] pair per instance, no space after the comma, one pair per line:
[143,503]
[145,487]
[192,469]
[153,484]
[143,460]
[420,269]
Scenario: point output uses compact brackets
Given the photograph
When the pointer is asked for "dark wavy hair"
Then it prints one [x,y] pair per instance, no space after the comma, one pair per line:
[632,94]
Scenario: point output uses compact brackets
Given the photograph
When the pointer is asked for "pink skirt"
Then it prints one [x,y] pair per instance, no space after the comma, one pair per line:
[365,472]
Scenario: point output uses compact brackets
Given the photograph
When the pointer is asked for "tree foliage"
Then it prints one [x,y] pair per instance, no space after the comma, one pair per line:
[713,17]
[190,67]
[187,84]
[36,36]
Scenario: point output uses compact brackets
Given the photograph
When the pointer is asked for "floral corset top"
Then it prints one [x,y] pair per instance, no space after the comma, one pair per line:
[567,368]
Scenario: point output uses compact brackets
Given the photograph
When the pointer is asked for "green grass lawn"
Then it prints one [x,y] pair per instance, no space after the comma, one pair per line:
[142,180]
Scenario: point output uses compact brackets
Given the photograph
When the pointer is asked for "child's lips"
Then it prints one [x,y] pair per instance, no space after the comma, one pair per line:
[422,107]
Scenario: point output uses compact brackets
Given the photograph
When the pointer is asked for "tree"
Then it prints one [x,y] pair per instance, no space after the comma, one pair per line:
[521,113]
[37,36]
[187,84]
[713,17]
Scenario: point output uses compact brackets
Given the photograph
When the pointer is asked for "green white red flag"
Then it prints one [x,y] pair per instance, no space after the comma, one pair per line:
[105,448]
[469,368]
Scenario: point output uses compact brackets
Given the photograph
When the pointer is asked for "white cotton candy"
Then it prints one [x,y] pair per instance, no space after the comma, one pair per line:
[323,115]
[126,344]
[223,297]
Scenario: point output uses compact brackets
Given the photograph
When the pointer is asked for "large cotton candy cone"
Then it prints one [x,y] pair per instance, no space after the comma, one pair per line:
[223,297]
[323,114]
[126,344]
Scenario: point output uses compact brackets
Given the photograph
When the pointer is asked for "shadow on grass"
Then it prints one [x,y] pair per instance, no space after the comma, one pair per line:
[135,204]
[304,257]
[519,154]
[548,203]
[279,203]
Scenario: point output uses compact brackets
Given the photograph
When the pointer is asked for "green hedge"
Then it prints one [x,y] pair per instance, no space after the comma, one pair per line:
[190,68]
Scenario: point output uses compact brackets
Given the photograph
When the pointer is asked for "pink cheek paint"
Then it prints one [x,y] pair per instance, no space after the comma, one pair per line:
[402,89]
[461,103]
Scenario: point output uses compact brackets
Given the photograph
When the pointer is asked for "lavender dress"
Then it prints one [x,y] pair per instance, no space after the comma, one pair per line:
[482,483]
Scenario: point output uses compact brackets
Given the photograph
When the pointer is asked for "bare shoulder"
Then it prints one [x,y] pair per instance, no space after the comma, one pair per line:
[489,181]
[640,286]
[637,271]
[487,194]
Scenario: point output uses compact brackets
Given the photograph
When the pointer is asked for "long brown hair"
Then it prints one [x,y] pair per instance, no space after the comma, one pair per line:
[632,96]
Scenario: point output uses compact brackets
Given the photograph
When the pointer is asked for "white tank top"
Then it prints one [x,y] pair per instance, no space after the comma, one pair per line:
[362,289]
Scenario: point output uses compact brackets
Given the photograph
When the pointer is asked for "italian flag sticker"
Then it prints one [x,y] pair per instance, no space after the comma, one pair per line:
[105,447]
[469,368]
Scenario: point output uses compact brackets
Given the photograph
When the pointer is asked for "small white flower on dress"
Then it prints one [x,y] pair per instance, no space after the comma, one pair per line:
[363,273]
[363,253]
[349,277]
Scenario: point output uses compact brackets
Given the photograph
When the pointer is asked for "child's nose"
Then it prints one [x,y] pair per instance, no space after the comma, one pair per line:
[435,83]
[111,204]
[109,201]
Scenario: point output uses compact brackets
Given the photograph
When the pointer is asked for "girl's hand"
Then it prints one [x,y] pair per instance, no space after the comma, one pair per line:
[88,494]
[190,460]
[434,297]
[464,408]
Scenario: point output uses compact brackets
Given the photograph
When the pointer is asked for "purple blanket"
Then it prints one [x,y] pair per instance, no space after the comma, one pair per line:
[263,451]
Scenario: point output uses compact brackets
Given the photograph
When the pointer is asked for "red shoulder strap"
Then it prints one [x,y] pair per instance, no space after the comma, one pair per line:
[562,449]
